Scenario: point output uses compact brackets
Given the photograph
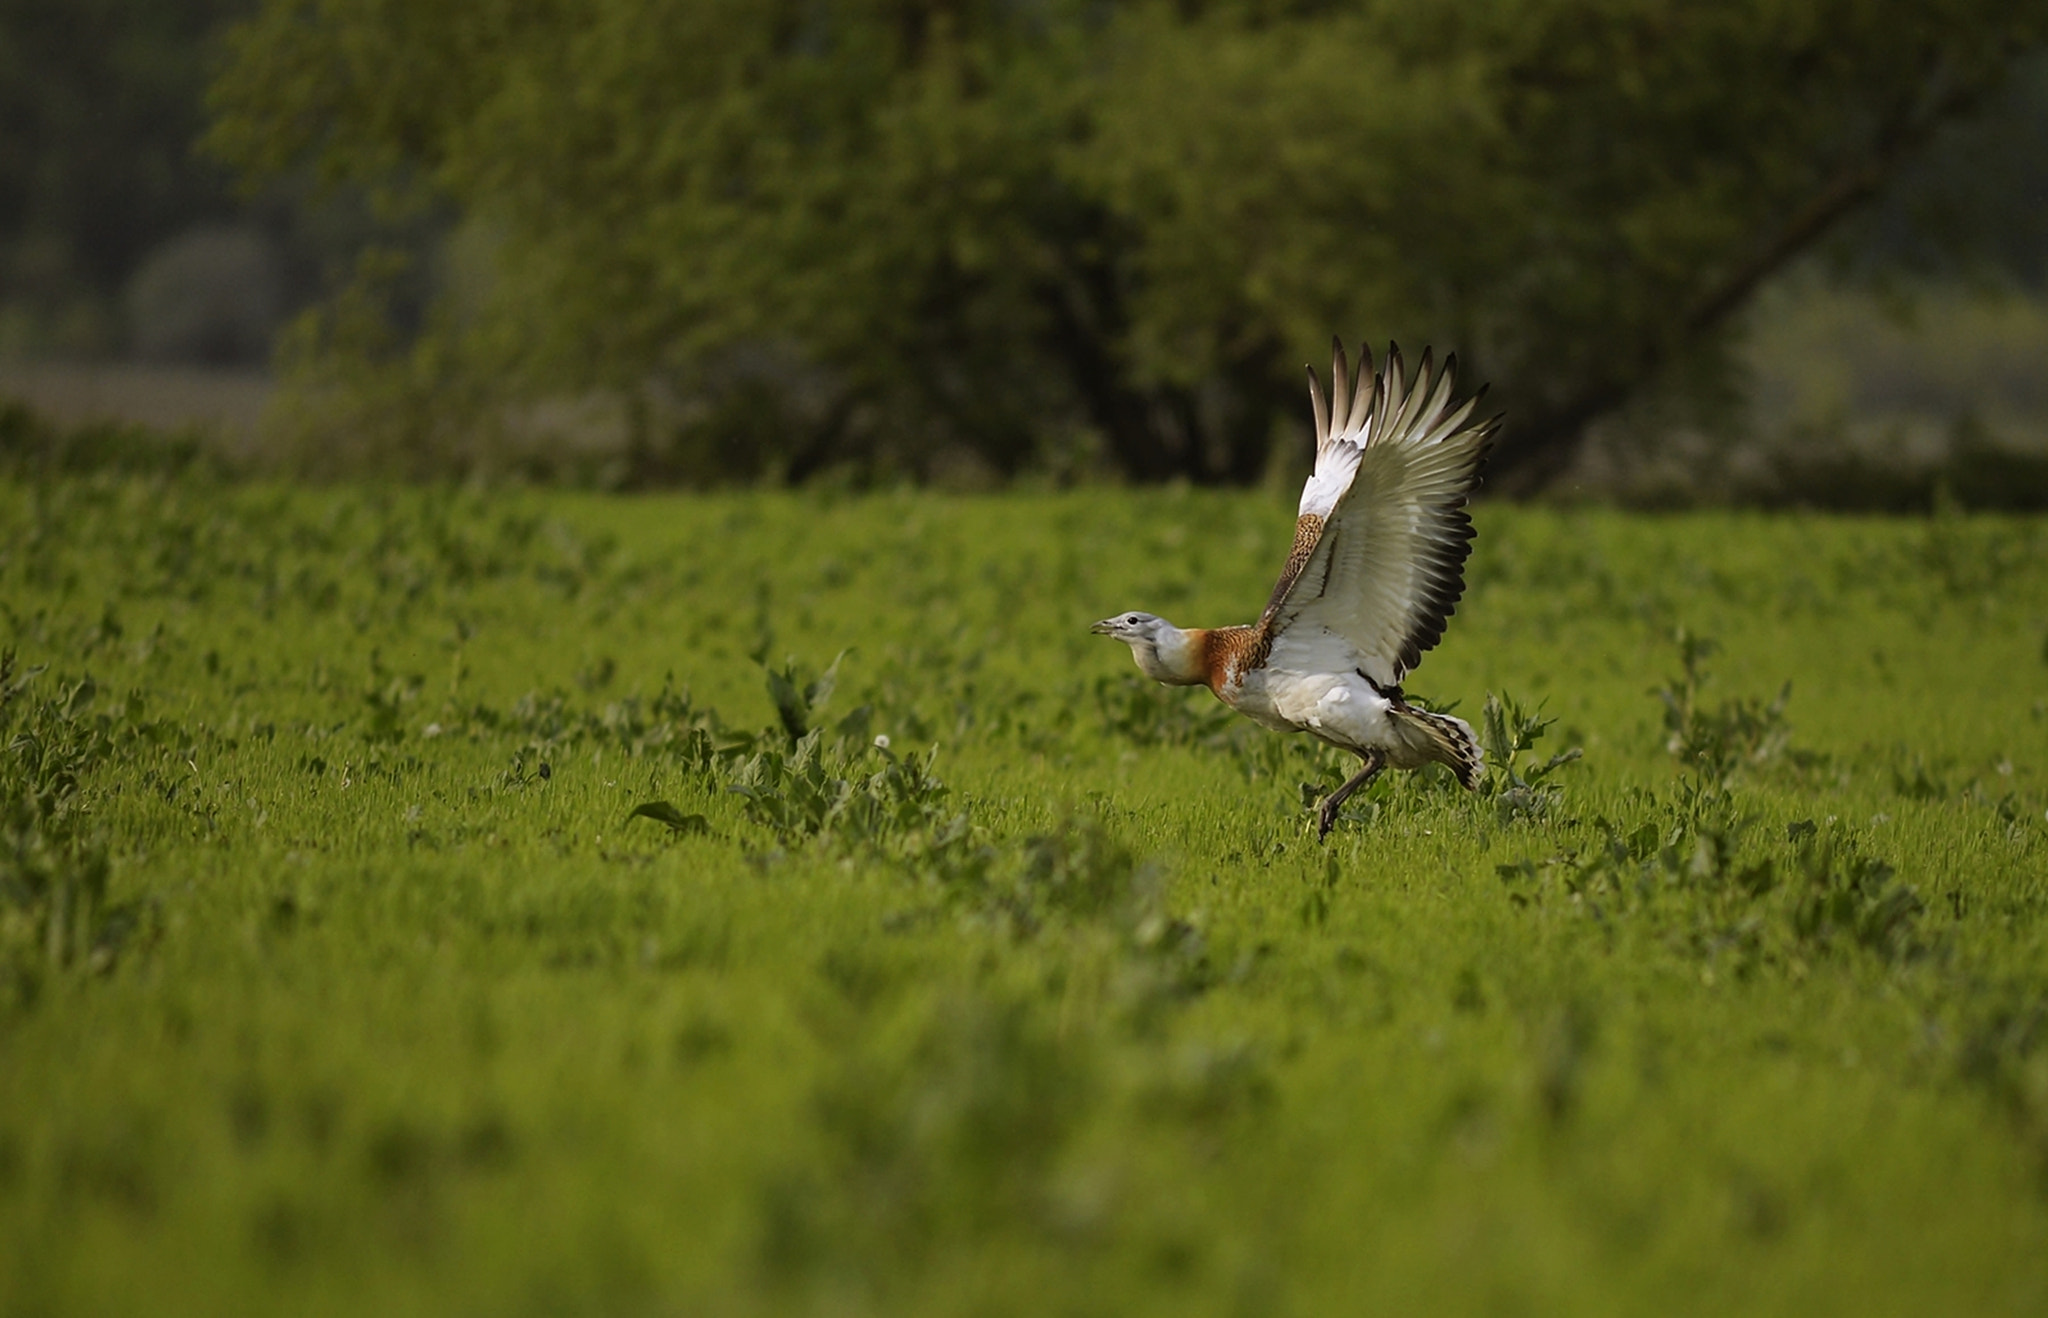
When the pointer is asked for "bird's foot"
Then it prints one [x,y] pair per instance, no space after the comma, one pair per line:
[1326,818]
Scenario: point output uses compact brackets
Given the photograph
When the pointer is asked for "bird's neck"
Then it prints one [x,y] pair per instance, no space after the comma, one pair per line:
[1228,653]
[1176,657]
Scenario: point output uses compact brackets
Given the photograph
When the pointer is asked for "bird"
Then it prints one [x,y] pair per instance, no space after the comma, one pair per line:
[1376,570]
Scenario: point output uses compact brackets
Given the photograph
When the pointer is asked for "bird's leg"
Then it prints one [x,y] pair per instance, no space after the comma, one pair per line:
[1374,762]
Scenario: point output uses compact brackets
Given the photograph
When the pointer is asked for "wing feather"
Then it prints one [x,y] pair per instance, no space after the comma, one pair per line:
[1411,404]
[1445,379]
[1365,390]
[1342,386]
[1448,421]
[1383,535]
[1395,392]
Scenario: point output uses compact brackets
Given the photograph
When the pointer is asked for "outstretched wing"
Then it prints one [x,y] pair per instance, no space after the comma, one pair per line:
[1380,544]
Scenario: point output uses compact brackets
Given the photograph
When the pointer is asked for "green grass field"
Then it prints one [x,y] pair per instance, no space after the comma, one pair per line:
[338,975]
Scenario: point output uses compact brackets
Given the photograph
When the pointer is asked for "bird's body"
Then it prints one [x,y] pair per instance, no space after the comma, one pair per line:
[1376,570]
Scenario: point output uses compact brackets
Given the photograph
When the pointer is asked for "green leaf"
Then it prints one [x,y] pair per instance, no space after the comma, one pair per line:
[790,705]
[664,812]
[820,691]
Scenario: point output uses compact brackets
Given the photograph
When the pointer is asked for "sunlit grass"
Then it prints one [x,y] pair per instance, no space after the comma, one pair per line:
[339,971]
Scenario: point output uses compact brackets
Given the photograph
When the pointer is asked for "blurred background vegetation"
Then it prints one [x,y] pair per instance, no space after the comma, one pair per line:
[1779,251]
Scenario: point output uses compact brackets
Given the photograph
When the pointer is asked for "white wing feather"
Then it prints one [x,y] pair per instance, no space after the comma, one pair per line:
[1393,471]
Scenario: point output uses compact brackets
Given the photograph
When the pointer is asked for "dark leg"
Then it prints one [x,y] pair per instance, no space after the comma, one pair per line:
[1374,762]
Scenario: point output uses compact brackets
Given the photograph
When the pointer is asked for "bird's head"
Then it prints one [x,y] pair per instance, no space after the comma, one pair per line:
[1133,628]
[1164,652]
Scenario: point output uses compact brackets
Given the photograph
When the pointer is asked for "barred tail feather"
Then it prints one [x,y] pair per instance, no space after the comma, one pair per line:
[1450,742]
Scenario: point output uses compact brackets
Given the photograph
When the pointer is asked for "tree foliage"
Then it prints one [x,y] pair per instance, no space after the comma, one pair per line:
[801,234]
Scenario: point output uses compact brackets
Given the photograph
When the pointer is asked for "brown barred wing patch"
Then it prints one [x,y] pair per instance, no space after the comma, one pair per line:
[1308,530]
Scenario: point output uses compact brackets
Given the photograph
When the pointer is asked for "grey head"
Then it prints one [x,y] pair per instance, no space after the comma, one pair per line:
[1133,628]
[1163,651]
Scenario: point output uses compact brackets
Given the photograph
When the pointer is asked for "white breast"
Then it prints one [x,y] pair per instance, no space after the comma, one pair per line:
[1251,694]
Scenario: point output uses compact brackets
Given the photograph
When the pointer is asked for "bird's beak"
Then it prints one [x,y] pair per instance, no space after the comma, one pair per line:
[1107,627]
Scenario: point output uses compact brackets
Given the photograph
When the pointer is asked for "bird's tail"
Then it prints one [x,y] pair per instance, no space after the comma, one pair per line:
[1447,740]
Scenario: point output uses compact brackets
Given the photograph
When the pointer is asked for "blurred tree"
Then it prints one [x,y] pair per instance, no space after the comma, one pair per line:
[99,110]
[117,235]
[1974,207]
[799,233]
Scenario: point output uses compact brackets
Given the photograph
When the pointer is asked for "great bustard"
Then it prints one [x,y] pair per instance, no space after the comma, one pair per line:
[1377,568]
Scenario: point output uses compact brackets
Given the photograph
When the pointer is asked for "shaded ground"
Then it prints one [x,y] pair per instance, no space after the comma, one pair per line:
[227,404]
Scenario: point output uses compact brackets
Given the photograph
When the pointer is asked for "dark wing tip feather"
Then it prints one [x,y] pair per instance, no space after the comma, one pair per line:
[1390,392]
[1341,388]
[1364,388]
[1322,410]
[1445,564]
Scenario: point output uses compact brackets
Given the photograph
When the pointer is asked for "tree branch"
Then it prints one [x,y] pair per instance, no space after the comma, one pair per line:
[1541,449]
